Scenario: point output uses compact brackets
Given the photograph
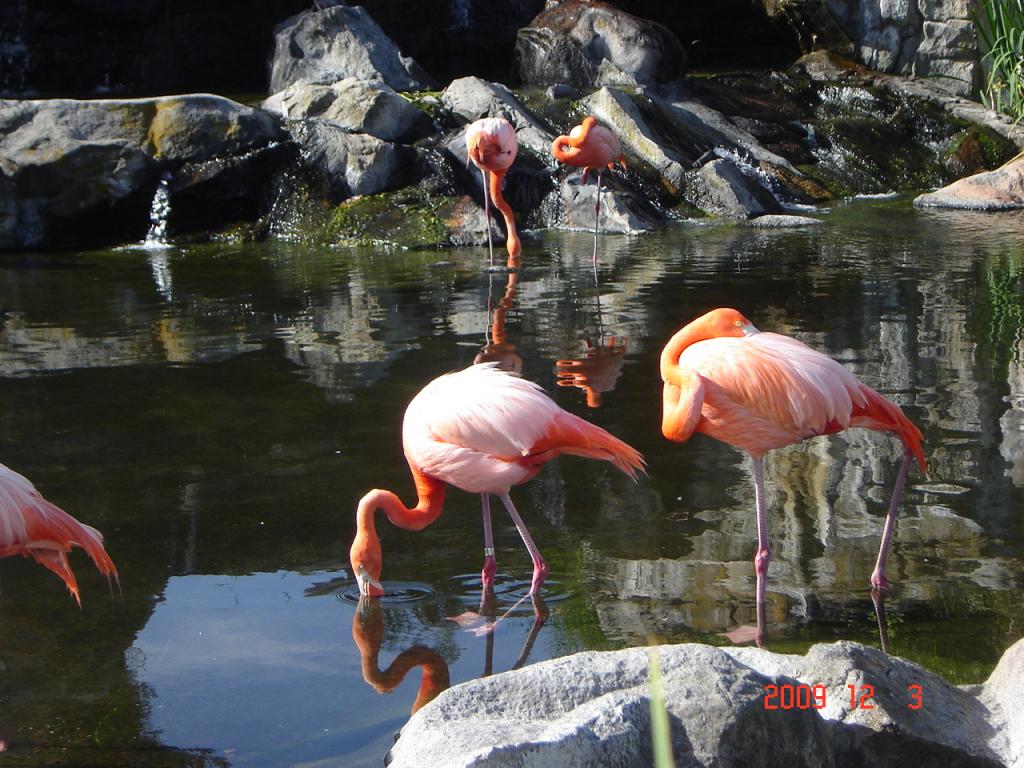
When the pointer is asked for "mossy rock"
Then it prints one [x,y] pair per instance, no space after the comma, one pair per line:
[977,149]
[402,219]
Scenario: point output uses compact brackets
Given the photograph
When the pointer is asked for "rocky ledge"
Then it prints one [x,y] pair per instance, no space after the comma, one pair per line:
[351,143]
[842,704]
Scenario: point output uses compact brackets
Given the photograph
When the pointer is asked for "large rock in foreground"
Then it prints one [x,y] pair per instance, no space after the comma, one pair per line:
[726,707]
[998,190]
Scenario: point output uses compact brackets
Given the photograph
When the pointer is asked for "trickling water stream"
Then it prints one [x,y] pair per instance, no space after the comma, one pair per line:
[159,211]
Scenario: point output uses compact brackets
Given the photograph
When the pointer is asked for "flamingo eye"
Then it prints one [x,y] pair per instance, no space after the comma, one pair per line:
[738,323]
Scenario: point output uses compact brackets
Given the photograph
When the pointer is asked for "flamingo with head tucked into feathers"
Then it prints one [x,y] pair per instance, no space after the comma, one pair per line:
[758,391]
[33,527]
[590,145]
[482,430]
[491,145]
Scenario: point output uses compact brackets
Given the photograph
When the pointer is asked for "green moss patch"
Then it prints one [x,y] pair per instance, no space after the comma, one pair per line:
[402,219]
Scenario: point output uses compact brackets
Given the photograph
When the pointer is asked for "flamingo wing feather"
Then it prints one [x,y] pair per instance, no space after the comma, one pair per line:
[779,379]
[485,430]
[34,527]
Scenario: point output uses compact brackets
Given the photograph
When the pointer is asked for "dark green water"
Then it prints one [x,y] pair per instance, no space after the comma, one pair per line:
[217,411]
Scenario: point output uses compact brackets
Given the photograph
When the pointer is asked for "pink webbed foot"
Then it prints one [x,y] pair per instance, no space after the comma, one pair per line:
[488,571]
[540,572]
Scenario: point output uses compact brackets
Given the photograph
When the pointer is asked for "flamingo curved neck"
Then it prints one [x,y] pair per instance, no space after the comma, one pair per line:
[567,148]
[512,242]
[684,337]
[430,502]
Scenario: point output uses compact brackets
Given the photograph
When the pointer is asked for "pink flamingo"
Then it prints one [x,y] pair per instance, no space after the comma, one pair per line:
[33,527]
[758,391]
[482,430]
[587,146]
[491,145]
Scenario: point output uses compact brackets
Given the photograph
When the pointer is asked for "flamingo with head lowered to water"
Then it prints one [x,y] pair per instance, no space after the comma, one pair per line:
[491,145]
[482,430]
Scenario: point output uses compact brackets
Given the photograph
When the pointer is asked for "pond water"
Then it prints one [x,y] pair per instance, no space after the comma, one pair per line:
[218,410]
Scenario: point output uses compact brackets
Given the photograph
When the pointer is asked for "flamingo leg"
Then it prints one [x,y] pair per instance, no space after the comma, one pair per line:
[487,215]
[764,553]
[597,217]
[490,564]
[878,580]
[540,568]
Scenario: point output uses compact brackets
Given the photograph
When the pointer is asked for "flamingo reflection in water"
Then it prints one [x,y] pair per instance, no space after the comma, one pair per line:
[368,635]
[33,527]
[758,391]
[482,430]
[497,348]
[598,369]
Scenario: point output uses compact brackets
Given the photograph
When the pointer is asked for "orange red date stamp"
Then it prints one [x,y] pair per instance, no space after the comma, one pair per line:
[802,696]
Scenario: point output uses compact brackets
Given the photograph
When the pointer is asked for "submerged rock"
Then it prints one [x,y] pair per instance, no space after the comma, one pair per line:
[998,190]
[593,709]
[336,43]
[784,221]
[595,43]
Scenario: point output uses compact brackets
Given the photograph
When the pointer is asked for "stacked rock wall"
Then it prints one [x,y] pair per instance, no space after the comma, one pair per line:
[934,39]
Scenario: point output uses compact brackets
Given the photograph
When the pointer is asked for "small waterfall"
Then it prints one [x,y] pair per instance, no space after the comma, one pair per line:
[156,240]
[159,210]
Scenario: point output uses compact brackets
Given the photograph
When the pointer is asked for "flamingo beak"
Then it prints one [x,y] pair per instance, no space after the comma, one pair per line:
[368,585]
[749,329]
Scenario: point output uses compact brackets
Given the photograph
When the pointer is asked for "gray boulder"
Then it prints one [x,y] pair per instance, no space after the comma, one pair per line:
[592,709]
[594,43]
[618,112]
[621,209]
[359,106]
[84,172]
[722,188]
[708,129]
[336,43]
[998,190]
[472,98]
[352,163]
[1001,695]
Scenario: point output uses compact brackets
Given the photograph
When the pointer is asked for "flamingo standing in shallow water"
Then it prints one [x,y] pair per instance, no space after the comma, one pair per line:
[481,430]
[491,145]
[33,527]
[587,146]
[758,391]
